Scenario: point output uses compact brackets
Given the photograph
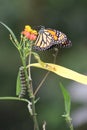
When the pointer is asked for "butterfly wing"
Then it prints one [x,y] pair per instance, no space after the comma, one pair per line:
[59,38]
[44,40]
[48,38]
[63,41]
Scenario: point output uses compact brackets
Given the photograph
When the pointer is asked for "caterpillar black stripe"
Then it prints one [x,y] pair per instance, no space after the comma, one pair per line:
[22,82]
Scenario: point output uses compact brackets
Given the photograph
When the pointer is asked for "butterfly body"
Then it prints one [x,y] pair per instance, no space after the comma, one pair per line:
[48,38]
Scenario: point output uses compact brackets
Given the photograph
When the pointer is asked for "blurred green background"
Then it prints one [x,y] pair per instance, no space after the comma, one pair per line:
[68,16]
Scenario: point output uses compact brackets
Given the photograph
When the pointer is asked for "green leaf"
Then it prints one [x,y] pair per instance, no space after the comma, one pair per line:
[67,99]
[18,85]
[67,102]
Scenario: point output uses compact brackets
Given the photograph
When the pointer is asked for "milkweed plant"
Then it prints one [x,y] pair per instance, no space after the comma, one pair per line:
[24,80]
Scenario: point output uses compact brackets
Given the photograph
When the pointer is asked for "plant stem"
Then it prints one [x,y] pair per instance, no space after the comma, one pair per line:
[15,98]
[39,86]
[71,127]
[69,122]
[30,89]
[36,127]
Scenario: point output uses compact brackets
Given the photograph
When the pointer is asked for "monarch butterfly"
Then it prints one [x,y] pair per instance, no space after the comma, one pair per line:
[48,38]
[22,82]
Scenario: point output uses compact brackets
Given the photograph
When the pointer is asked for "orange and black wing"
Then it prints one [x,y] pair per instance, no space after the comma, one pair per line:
[48,38]
[59,38]
[63,41]
[44,40]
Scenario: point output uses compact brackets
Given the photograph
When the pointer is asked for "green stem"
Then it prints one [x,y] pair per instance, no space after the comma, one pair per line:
[34,115]
[71,127]
[36,127]
[69,122]
[30,89]
[14,98]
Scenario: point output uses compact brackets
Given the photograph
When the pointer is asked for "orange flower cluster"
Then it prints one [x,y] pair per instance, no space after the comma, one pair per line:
[29,33]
